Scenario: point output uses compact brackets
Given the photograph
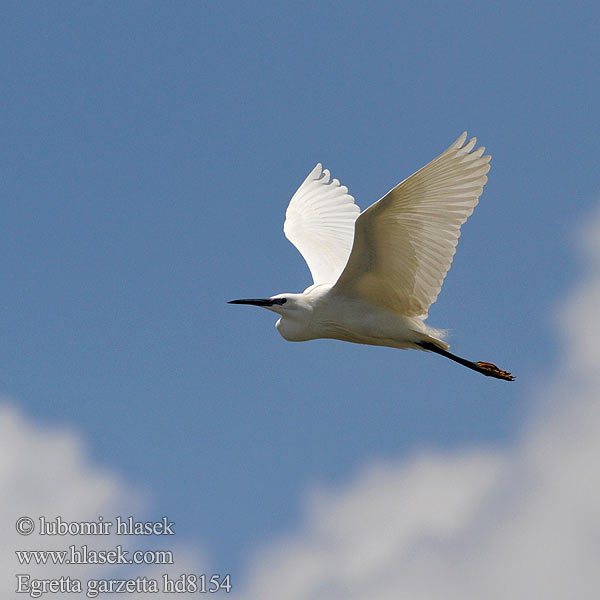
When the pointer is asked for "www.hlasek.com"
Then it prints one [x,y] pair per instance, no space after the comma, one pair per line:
[85,555]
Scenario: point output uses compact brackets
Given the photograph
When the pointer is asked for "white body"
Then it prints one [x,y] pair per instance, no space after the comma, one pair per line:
[377,273]
[321,312]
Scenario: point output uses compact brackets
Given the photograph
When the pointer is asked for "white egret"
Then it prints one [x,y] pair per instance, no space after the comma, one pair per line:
[377,273]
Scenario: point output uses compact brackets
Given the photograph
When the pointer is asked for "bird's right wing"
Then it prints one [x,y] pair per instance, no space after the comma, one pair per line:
[319,221]
[405,242]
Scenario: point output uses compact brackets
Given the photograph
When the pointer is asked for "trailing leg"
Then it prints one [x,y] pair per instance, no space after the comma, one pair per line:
[485,368]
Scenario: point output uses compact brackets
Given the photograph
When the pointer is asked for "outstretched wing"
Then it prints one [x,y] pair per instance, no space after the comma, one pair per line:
[405,242]
[320,222]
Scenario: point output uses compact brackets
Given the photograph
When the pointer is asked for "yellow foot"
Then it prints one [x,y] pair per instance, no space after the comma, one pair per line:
[491,370]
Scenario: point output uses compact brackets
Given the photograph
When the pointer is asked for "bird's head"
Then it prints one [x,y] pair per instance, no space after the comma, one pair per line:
[295,312]
[282,304]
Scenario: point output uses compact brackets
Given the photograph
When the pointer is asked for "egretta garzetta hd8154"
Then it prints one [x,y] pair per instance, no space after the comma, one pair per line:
[377,273]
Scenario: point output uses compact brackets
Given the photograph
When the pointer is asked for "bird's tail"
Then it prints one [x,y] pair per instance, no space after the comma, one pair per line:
[425,333]
[436,337]
[435,341]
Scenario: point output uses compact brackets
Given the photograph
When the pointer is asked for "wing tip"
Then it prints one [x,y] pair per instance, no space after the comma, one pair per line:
[319,174]
[468,148]
[460,140]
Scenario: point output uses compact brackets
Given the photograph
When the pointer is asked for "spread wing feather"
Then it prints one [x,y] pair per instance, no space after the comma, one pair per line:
[405,242]
[319,221]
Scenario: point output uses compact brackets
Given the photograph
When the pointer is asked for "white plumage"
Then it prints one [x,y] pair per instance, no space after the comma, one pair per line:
[320,222]
[376,273]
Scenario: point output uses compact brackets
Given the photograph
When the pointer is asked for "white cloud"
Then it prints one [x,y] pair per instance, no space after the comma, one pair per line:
[493,523]
[46,472]
[518,523]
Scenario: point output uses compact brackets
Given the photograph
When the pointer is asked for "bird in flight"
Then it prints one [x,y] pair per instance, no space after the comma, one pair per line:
[376,273]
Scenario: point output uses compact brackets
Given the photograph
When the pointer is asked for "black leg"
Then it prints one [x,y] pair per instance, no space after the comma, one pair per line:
[485,368]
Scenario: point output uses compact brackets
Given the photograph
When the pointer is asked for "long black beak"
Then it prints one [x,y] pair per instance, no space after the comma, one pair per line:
[254,301]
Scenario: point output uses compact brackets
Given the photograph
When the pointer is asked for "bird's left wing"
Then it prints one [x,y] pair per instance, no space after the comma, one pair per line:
[319,221]
[405,242]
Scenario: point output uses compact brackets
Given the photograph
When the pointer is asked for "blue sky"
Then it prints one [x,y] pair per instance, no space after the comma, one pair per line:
[149,153]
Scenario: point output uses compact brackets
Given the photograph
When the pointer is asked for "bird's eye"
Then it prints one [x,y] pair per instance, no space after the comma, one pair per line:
[282,300]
